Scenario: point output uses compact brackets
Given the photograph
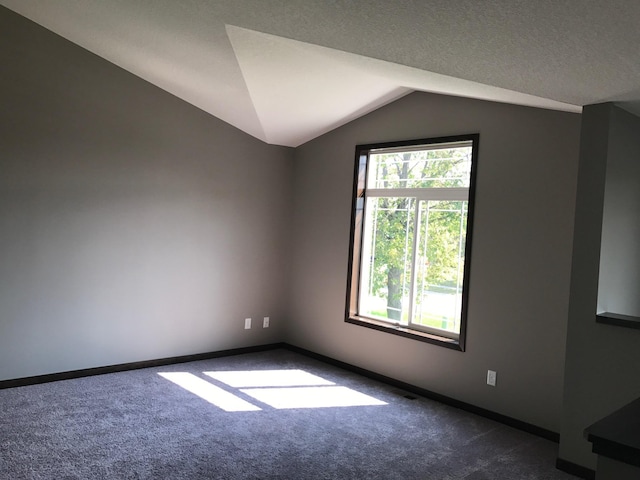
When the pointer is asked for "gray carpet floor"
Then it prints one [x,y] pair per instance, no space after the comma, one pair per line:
[142,424]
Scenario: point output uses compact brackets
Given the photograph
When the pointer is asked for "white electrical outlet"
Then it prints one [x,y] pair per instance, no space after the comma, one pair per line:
[491,377]
[247,323]
[265,322]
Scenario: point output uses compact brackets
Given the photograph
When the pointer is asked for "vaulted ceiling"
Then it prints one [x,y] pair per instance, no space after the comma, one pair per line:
[287,71]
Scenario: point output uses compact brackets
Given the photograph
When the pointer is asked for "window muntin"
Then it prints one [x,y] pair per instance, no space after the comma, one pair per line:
[410,236]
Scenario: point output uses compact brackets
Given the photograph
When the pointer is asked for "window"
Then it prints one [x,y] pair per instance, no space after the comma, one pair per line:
[411,238]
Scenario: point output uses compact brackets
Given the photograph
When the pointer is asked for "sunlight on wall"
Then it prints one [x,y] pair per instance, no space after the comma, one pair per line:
[279,389]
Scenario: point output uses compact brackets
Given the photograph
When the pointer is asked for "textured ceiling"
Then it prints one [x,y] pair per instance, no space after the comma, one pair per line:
[286,71]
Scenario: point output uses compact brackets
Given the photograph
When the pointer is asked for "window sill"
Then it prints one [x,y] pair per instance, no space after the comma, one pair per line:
[406,332]
[618,320]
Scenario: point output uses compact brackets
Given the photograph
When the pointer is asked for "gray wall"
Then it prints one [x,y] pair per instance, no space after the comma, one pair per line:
[603,361]
[133,226]
[520,268]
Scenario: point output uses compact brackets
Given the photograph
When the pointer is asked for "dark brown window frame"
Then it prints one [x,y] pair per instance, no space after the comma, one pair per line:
[355,243]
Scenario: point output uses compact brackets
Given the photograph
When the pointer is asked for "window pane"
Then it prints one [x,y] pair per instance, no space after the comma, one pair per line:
[386,258]
[440,264]
[434,168]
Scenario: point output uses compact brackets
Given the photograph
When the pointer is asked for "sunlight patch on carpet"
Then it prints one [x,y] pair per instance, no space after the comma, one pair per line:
[279,389]
[311,397]
[268,378]
[209,392]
